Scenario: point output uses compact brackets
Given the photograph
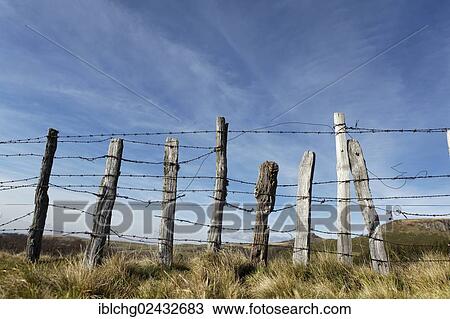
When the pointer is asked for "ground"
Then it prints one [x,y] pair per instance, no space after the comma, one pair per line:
[132,271]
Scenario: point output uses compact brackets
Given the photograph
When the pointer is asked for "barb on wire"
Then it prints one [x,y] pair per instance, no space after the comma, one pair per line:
[361,130]
[3,230]
[124,134]
[89,159]
[26,140]
[198,157]
[11,187]
[84,141]
[163,145]
[27,179]
[233,206]
[21,155]
[81,175]
[281,132]
[74,190]
[283,208]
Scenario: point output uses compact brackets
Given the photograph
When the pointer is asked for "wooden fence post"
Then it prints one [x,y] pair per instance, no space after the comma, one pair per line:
[105,204]
[380,262]
[448,141]
[344,239]
[220,189]
[35,233]
[302,243]
[165,242]
[265,191]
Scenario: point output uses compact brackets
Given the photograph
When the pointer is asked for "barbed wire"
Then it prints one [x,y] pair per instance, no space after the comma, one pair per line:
[405,213]
[3,230]
[134,176]
[327,198]
[247,210]
[294,229]
[272,244]
[164,145]
[353,130]
[17,218]
[71,208]
[320,199]
[361,130]
[146,202]
[11,187]
[283,208]
[25,140]
[144,189]
[21,155]
[95,158]
[85,158]
[139,134]
[237,180]
[394,178]
[27,179]
[84,141]
[278,245]
[204,224]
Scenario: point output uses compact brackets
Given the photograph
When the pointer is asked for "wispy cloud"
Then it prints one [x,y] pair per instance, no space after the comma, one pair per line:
[246,61]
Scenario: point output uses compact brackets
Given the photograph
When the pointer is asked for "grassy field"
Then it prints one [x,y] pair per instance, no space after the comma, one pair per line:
[228,275]
[131,271]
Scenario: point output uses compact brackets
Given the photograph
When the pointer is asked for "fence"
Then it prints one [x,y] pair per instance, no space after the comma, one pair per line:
[350,168]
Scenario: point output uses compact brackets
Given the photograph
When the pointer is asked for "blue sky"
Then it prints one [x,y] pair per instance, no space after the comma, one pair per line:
[246,60]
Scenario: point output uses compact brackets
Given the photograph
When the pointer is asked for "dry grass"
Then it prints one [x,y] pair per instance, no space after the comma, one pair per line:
[227,275]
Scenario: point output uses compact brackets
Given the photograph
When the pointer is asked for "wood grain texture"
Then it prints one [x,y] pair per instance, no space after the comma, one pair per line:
[220,188]
[105,204]
[166,228]
[34,240]
[302,242]
[380,262]
[265,192]
[344,240]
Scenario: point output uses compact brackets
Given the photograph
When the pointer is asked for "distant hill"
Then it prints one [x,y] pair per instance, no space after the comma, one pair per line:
[432,232]
[419,225]
[405,239]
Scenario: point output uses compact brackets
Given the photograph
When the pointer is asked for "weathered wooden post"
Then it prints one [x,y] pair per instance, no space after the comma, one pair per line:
[220,189]
[448,141]
[344,239]
[302,242]
[165,242]
[265,191]
[105,204]
[35,233]
[380,262]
